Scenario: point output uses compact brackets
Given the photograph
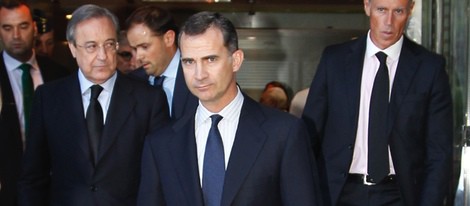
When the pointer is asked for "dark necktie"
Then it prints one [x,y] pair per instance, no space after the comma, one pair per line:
[158,81]
[378,165]
[28,91]
[214,165]
[94,120]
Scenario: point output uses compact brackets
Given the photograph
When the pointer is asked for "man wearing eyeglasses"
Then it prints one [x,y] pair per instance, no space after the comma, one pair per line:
[126,61]
[87,130]
[21,70]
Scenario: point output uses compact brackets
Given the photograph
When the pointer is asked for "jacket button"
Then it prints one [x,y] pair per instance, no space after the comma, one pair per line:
[93,188]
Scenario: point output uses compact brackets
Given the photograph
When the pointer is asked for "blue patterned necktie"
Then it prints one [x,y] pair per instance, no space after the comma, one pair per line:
[378,165]
[214,165]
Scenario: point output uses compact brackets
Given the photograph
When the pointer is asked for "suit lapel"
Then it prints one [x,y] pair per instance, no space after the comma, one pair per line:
[69,98]
[184,156]
[249,141]
[121,105]
[353,66]
[183,100]
[8,112]
[406,69]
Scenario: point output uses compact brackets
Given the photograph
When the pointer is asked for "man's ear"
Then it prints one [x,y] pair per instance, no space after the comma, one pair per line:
[169,38]
[367,7]
[72,48]
[237,57]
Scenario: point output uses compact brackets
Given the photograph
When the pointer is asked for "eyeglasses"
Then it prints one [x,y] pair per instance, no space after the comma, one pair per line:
[92,47]
[125,55]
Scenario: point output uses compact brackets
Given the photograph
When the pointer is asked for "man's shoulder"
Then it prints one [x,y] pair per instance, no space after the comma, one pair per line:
[51,69]
[272,115]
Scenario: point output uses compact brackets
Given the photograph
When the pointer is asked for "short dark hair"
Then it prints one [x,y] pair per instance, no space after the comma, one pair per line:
[200,22]
[13,4]
[85,12]
[157,19]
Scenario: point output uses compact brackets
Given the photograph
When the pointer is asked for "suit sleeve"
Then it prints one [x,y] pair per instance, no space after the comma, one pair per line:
[150,192]
[34,181]
[298,170]
[316,106]
[439,138]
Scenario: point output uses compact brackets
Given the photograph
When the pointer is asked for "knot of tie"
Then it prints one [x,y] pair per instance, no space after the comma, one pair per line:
[216,119]
[382,57]
[158,81]
[95,91]
[25,67]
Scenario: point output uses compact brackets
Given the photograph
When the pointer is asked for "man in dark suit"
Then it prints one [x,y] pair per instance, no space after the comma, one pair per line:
[395,150]
[152,32]
[17,35]
[88,130]
[260,156]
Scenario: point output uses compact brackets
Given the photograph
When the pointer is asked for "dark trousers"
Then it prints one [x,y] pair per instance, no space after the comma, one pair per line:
[355,193]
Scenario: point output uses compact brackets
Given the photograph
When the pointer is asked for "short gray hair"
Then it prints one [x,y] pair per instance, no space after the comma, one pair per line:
[85,12]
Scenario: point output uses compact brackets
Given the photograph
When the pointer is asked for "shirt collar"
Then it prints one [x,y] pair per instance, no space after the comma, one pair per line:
[11,63]
[227,112]
[393,51]
[85,84]
[172,68]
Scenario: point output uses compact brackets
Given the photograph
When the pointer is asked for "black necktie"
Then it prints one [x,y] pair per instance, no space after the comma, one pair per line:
[214,165]
[28,91]
[158,81]
[378,166]
[94,119]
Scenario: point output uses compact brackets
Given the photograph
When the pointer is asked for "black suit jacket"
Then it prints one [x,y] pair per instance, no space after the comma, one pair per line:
[11,145]
[57,167]
[270,163]
[183,99]
[419,126]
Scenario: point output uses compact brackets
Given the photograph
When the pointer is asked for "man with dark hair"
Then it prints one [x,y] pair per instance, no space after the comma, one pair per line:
[21,71]
[152,32]
[379,112]
[231,150]
[87,130]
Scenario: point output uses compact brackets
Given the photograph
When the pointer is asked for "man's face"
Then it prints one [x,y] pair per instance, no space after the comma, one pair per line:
[17,32]
[153,52]
[126,61]
[45,44]
[388,20]
[95,48]
[209,68]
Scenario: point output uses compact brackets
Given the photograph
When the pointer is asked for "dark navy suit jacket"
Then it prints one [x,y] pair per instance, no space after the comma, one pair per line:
[270,163]
[58,167]
[419,126]
[11,145]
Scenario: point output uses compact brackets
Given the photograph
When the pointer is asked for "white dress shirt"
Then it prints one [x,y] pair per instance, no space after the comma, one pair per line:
[105,95]
[371,66]
[170,78]
[14,74]
[227,127]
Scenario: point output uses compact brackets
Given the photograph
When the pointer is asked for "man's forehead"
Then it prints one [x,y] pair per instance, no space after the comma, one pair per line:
[15,16]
